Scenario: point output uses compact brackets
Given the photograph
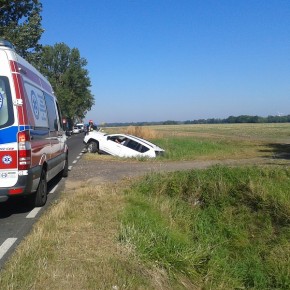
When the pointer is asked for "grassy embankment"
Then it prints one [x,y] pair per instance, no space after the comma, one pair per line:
[220,228]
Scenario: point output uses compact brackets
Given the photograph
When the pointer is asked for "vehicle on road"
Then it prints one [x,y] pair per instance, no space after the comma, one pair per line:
[68,132]
[121,145]
[76,130]
[81,126]
[33,146]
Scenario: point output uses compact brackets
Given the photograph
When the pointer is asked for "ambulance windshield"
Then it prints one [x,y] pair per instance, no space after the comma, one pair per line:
[6,108]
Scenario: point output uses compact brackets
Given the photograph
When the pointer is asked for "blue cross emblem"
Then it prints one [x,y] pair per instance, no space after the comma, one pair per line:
[7,159]
[35,107]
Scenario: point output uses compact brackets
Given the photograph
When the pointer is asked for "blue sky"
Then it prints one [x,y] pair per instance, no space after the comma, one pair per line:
[158,60]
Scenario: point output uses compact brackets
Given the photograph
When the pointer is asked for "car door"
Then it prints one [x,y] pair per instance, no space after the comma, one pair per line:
[111,145]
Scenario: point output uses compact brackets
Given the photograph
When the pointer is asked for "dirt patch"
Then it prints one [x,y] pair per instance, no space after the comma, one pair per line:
[99,171]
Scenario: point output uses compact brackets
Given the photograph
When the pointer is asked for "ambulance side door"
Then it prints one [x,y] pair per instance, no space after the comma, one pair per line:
[52,125]
[57,137]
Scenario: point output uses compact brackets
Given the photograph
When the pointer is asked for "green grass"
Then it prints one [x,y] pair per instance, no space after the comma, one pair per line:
[221,228]
[190,148]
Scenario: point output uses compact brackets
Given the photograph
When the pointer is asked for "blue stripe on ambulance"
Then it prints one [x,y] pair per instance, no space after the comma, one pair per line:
[9,135]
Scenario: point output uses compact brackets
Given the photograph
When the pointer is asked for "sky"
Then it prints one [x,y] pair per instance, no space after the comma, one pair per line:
[159,60]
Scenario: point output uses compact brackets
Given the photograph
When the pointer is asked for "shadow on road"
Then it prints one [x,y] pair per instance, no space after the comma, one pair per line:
[18,205]
[14,206]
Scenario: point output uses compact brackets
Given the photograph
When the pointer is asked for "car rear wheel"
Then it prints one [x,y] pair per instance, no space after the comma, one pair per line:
[93,147]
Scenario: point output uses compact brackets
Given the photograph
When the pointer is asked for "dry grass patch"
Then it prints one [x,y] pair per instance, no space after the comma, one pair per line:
[75,245]
[277,132]
[139,131]
[142,132]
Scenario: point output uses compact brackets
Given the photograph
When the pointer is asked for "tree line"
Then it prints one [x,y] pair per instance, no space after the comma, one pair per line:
[20,23]
[229,120]
[242,119]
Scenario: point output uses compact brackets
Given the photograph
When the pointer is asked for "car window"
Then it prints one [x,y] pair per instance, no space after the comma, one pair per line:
[52,115]
[133,145]
[112,138]
[6,107]
[143,149]
[118,139]
[38,106]
[144,141]
[60,116]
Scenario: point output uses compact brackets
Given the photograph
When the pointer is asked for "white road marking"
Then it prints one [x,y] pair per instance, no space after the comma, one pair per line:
[75,161]
[36,210]
[53,190]
[6,246]
[33,213]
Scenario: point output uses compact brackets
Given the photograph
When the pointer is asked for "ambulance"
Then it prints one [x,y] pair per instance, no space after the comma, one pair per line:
[33,147]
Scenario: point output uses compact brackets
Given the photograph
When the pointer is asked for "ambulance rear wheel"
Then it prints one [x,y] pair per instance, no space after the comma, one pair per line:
[40,196]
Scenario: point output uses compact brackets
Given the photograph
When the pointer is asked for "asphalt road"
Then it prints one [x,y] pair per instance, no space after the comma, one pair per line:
[17,219]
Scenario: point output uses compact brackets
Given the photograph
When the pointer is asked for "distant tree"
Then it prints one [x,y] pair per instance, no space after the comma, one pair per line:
[170,122]
[20,23]
[66,72]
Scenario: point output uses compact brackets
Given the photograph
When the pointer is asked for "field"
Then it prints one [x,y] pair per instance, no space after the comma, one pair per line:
[216,228]
[217,141]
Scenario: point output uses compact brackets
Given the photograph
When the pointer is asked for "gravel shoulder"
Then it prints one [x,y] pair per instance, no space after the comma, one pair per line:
[99,171]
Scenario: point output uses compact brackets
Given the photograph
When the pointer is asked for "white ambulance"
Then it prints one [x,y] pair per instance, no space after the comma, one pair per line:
[33,146]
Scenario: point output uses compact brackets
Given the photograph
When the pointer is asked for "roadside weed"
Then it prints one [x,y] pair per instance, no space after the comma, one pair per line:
[223,228]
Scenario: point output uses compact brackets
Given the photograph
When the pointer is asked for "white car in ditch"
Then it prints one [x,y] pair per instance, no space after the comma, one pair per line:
[121,145]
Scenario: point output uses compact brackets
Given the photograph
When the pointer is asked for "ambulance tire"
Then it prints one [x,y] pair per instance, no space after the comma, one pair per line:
[65,169]
[93,147]
[40,197]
